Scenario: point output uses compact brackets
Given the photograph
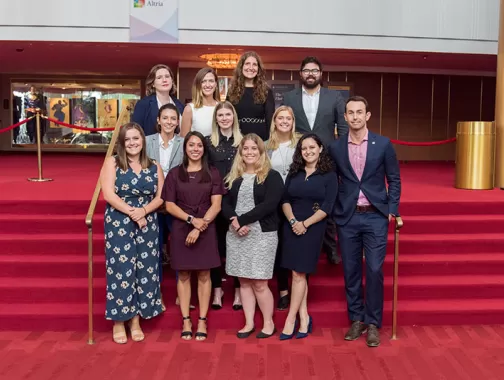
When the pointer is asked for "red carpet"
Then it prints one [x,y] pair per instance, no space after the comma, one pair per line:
[424,353]
[451,265]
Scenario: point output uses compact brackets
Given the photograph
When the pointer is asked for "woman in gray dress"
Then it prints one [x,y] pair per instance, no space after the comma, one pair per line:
[251,206]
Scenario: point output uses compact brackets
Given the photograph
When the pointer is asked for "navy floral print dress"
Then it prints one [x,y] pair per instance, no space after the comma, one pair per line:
[132,254]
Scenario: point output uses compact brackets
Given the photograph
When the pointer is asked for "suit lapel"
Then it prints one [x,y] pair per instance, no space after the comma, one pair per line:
[155,148]
[299,101]
[176,147]
[322,97]
[371,148]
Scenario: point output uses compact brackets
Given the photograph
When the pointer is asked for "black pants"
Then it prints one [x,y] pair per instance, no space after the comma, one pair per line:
[329,245]
[222,226]
[282,274]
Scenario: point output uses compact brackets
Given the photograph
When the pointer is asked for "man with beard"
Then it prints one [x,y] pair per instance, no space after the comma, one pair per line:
[321,111]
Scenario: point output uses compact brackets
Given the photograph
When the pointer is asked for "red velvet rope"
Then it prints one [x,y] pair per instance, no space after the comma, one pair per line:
[16,125]
[427,143]
[76,126]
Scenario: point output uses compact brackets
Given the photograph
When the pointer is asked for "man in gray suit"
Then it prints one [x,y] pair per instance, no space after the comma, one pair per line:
[321,111]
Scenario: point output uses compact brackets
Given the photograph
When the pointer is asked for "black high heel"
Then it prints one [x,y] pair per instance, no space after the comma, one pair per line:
[201,334]
[185,333]
[216,306]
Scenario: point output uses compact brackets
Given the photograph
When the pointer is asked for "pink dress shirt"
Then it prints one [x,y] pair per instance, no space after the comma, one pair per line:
[357,154]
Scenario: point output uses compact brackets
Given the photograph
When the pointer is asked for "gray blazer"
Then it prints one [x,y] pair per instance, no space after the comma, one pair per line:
[330,114]
[152,142]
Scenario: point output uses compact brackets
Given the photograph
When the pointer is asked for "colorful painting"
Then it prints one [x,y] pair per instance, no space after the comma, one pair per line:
[84,113]
[59,109]
[129,105]
[107,113]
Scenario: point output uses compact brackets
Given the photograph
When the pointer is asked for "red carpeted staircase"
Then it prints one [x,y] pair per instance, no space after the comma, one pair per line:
[451,269]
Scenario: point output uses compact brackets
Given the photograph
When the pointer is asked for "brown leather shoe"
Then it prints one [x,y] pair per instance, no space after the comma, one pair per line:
[373,336]
[357,329]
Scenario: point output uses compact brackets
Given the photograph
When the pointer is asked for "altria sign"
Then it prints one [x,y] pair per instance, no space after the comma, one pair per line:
[154,21]
[143,3]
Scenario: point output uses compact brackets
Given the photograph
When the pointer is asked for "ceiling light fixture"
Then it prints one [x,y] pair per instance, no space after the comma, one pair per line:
[221,61]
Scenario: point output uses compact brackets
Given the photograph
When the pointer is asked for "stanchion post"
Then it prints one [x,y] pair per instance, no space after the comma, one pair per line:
[90,286]
[398,226]
[39,151]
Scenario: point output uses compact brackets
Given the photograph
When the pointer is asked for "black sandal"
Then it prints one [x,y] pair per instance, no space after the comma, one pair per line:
[201,334]
[186,333]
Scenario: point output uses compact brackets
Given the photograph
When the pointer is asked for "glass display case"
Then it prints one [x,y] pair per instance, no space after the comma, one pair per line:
[74,111]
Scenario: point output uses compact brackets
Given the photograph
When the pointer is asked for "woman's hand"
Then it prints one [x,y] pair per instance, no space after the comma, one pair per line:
[234,223]
[136,213]
[142,222]
[244,231]
[298,228]
[192,237]
[199,224]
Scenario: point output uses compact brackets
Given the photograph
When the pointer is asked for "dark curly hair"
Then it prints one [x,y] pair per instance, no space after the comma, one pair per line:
[237,87]
[324,164]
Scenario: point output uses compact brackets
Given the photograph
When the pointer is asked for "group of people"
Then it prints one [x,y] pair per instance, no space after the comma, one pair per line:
[257,191]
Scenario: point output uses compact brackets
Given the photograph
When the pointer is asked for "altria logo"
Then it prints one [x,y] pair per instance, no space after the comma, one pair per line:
[148,3]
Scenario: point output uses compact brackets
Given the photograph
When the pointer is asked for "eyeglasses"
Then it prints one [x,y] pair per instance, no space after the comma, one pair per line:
[312,71]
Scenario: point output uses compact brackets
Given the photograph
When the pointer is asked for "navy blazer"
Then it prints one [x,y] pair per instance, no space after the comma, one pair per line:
[146,112]
[381,163]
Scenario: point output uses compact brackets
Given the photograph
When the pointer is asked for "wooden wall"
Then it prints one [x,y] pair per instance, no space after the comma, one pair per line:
[409,107]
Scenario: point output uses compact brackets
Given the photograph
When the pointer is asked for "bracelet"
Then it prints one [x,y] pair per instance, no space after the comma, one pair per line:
[144,210]
[306,228]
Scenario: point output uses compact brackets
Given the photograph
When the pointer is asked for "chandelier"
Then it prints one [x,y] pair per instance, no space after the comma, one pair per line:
[221,61]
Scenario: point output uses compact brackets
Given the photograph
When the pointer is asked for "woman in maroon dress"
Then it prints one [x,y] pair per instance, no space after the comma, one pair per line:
[193,194]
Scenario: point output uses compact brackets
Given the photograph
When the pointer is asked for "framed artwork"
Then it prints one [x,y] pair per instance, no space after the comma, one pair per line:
[107,113]
[84,113]
[59,109]
[224,83]
[279,88]
[344,88]
[129,105]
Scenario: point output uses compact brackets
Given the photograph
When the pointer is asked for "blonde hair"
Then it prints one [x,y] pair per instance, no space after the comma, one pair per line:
[214,137]
[262,166]
[273,142]
[197,91]
[151,77]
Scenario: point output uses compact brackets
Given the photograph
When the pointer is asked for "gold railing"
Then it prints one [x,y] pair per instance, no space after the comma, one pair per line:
[398,226]
[89,224]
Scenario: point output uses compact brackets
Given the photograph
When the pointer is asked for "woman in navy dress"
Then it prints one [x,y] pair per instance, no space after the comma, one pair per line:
[131,185]
[193,194]
[310,192]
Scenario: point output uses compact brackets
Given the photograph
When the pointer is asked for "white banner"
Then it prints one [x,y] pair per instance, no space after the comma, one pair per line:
[154,21]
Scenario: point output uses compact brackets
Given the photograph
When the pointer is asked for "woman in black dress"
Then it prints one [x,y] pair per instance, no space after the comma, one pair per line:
[251,96]
[223,143]
[193,194]
[310,192]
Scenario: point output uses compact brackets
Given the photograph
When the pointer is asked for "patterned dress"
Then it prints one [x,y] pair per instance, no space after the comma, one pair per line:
[132,254]
[251,256]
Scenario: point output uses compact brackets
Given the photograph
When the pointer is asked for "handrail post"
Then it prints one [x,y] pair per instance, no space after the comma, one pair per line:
[90,285]
[39,151]
[398,226]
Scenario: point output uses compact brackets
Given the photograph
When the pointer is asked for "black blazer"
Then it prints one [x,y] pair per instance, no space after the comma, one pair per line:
[381,164]
[330,114]
[146,112]
[267,197]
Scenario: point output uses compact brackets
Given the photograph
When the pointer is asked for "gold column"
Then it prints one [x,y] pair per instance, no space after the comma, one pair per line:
[499,106]
[475,159]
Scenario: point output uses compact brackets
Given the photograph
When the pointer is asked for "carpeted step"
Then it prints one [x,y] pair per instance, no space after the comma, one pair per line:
[67,243]
[322,289]
[430,224]
[75,266]
[73,316]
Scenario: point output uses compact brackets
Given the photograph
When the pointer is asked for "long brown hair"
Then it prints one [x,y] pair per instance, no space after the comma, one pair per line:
[197,91]
[122,161]
[237,87]
[151,77]
[262,166]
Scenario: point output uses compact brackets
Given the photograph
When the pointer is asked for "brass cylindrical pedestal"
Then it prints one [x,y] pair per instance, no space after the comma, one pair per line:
[475,162]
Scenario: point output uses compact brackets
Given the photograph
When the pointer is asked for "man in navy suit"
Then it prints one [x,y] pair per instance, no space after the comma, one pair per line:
[362,213]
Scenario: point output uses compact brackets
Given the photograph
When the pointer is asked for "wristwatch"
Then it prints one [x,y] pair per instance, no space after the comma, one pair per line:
[293,221]
[189,219]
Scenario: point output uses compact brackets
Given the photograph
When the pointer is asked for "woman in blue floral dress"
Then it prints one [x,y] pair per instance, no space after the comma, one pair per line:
[131,185]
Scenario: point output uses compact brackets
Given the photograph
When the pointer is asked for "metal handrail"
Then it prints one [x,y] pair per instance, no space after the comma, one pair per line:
[89,224]
[398,225]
